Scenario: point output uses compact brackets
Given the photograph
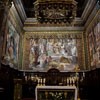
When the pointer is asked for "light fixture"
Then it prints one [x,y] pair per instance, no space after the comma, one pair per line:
[55,11]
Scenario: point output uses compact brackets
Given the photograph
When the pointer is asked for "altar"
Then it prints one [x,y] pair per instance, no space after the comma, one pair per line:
[56,93]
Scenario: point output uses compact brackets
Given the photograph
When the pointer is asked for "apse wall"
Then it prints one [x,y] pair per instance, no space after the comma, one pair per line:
[43,50]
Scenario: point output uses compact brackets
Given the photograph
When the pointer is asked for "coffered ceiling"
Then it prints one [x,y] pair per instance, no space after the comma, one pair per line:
[29,7]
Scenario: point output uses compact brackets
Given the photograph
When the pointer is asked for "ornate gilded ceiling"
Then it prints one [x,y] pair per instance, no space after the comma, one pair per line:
[30,12]
[53,11]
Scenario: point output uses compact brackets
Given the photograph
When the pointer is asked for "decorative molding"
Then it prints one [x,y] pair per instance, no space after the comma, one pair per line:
[20,51]
[32,29]
[88,9]
[15,19]
[93,19]
[33,22]
[14,10]
[88,51]
[30,20]
[53,34]
[85,52]
[20,9]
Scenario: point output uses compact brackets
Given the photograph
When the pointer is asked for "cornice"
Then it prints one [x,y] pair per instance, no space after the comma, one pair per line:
[33,22]
[32,29]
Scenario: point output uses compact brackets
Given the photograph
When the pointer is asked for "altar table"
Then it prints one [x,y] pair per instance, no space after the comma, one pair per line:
[56,93]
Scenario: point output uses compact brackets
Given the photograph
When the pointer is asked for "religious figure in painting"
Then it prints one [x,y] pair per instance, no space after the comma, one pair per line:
[12,44]
[46,52]
[34,52]
[42,60]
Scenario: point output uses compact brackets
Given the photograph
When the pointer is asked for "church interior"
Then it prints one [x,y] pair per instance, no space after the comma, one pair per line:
[49,49]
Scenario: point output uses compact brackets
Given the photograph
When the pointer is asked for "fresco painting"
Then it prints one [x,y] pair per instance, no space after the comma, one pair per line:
[12,44]
[48,53]
[94,46]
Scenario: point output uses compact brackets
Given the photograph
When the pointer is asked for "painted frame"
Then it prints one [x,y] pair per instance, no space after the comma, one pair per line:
[42,51]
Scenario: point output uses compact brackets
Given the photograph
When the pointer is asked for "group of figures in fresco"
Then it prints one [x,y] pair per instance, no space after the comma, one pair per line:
[94,46]
[47,52]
